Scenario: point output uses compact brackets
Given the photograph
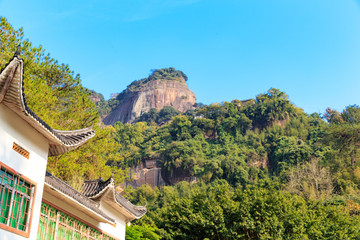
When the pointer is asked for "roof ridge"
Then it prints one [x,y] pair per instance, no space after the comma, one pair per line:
[76,195]
[76,131]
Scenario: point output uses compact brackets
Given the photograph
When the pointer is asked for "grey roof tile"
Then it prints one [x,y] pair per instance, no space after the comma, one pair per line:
[74,194]
[94,189]
[12,95]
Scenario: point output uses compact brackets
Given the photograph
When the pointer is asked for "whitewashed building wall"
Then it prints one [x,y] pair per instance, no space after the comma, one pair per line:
[14,129]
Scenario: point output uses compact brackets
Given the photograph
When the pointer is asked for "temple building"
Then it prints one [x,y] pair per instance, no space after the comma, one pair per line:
[34,204]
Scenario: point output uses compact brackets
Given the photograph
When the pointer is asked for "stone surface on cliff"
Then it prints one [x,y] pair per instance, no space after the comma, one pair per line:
[146,172]
[156,91]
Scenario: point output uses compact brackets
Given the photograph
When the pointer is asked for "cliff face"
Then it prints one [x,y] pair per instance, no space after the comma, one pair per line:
[146,172]
[153,94]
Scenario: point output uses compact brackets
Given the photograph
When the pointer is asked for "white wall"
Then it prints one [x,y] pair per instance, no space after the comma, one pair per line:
[120,228]
[14,129]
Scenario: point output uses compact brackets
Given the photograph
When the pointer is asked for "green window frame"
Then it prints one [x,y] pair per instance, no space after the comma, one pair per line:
[55,224]
[16,201]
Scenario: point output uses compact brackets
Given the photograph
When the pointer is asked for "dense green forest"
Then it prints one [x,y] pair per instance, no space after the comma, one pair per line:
[262,169]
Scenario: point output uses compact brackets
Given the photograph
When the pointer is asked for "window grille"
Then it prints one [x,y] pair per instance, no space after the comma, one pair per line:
[56,225]
[16,196]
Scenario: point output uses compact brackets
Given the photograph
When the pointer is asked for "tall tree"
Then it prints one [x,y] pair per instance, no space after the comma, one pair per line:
[55,93]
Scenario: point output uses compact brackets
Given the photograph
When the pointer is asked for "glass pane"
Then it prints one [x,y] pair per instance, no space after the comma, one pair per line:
[5,204]
[23,213]
[15,210]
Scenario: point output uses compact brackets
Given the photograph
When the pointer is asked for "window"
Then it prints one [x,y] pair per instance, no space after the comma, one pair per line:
[55,224]
[16,197]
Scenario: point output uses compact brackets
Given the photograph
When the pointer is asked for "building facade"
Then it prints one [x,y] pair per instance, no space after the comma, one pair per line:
[34,204]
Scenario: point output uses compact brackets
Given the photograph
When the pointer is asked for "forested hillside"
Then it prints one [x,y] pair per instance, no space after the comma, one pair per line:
[261,169]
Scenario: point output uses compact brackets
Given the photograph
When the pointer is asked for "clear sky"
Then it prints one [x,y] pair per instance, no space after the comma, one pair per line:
[230,49]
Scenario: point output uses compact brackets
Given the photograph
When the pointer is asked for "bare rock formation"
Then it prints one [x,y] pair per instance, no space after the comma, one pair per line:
[165,87]
[147,172]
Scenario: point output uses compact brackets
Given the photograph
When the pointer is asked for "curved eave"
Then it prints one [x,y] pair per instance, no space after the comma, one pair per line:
[94,189]
[12,95]
[135,212]
[108,194]
[60,195]
[64,192]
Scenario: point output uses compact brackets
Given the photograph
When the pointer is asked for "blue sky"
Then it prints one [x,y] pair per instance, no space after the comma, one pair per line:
[230,49]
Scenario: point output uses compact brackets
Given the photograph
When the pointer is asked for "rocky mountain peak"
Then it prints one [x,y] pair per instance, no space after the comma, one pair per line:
[164,87]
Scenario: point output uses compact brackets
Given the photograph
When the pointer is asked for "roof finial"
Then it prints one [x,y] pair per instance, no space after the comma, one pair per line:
[18,51]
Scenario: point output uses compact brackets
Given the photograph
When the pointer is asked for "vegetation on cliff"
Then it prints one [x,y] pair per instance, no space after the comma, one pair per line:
[263,168]
[104,107]
[158,117]
[165,74]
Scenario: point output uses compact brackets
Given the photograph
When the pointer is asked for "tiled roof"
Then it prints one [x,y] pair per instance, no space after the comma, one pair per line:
[61,186]
[12,95]
[137,211]
[95,189]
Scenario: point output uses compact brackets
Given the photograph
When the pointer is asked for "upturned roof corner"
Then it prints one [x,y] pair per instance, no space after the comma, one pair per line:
[17,52]
[99,189]
[12,96]
[86,203]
